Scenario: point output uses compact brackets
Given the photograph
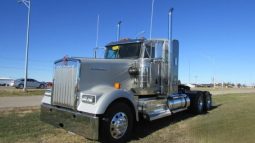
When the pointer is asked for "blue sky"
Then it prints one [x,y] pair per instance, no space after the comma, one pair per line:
[216,36]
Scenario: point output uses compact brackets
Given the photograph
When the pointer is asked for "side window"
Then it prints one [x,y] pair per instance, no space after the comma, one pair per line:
[158,50]
[149,51]
[154,49]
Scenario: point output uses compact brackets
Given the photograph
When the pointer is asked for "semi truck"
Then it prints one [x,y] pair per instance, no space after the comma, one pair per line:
[104,98]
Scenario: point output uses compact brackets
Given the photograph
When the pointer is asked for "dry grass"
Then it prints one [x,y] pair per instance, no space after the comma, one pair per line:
[221,91]
[11,91]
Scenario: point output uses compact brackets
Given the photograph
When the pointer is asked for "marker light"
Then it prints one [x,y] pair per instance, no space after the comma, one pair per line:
[117,85]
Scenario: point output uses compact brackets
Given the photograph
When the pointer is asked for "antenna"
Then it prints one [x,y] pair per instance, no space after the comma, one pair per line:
[95,49]
[118,30]
[139,33]
[152,10]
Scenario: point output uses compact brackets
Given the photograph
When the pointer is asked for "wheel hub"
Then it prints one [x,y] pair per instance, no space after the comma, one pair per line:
[119,125]
[208,103]
[200,104]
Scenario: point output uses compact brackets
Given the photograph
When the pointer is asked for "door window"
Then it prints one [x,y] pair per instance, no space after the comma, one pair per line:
[154,49]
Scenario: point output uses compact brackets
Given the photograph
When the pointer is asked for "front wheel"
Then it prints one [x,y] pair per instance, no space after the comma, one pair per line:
[117,123]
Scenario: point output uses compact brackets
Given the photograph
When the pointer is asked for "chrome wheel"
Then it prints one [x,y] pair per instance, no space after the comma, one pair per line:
[209,102]
[119,125]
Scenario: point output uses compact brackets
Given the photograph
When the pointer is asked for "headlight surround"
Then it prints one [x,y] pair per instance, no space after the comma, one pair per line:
[48,92]
[91,99]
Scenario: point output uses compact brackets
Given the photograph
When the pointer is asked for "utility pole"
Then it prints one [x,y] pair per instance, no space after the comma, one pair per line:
[27,3]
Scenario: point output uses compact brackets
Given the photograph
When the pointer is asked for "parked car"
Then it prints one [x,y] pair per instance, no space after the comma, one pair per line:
[31,83]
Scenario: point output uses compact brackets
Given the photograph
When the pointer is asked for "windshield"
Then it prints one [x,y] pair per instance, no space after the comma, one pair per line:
[124,51]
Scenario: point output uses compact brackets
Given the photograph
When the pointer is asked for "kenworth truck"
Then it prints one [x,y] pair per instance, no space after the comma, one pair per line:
[102,99]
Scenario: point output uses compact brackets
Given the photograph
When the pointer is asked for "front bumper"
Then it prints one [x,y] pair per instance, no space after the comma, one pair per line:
[79,123]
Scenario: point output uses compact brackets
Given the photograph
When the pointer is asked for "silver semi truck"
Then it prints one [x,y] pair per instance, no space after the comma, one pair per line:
[102,99]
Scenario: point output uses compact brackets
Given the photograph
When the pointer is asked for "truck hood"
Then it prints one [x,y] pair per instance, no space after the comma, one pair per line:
[106,72]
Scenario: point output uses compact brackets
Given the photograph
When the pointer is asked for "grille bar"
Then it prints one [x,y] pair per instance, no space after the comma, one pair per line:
[65,82]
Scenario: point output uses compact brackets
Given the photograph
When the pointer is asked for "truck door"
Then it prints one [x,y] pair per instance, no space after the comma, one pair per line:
[155,51]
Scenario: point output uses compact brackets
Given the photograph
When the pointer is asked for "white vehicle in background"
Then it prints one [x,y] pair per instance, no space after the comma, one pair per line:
[6,82]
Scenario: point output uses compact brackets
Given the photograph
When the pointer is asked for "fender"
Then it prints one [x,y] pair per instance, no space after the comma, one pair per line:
[106,95]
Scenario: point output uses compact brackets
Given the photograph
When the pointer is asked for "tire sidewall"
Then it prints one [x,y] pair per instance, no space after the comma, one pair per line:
[105,134]
[207,106]
[198,107]
[21,86]
[41,86]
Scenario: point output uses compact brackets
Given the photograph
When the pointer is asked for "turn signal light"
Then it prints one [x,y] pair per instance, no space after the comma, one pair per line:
[117,85]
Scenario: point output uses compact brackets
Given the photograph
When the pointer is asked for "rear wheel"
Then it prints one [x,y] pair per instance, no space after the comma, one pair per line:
[117,123]
[207,101]
[198,103]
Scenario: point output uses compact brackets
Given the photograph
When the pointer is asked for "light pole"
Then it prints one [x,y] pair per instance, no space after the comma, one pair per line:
[27,3]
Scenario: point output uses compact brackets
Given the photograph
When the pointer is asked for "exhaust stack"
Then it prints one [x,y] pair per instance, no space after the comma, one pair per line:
[118,30]
[170,19]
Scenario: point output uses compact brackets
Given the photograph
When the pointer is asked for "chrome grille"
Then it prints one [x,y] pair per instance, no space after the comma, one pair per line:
[65,82]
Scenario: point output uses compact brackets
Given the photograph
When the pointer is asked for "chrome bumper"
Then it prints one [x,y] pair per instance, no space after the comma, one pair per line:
[79,123]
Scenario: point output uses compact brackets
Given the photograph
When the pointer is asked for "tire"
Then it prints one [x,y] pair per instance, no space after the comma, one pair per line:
[117,124]
[21,86]
[207,101]
[41,86]
[198,103]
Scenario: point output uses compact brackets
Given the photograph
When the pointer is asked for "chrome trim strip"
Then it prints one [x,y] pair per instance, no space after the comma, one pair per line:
[79,123]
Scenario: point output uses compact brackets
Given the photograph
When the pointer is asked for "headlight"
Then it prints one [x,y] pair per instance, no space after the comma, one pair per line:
[47,92]
[88,99]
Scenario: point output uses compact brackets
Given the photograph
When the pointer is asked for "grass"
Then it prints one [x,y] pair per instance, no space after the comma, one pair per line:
[231,121]
[9,91]
[27,128]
